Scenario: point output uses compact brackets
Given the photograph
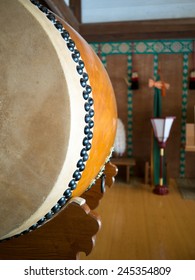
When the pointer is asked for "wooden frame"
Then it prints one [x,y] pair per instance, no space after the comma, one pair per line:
[136,30]
[127,162]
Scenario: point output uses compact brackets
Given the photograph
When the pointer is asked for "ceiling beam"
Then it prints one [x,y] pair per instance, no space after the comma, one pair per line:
[123,30]
[136,30]
[75,6]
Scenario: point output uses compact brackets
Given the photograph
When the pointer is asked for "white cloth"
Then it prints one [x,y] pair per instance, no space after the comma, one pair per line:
[120,139]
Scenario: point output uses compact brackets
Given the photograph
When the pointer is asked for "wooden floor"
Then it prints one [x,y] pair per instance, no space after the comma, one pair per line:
[139,225]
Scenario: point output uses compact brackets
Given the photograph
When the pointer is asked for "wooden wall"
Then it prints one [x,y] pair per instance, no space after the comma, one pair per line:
[190,156]
[178,100]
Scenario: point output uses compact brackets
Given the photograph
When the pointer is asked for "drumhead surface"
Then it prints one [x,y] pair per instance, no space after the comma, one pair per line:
[41,117]
[58,116]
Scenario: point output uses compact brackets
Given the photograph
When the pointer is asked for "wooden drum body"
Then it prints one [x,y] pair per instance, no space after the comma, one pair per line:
[57,116]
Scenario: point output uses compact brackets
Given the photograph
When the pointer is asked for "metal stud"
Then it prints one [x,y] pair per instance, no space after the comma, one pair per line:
[35,2]
[72,183]
[75,58]
[88,89]
[87,118]
[87,106]
[58,25]
[79,70]
[82,167]
[67,193]
[91,113]
[51,17]
[71,45]
[25,231]
[44,9]
[65,35]
[62,201]
[86,129]
[90,135]
[41,221]
[85,141]
[33,227]
[85,77]
[49,215]
[56,208]
[77,53]
[85,94]
[74,186]
[90,100]
[82,82]
[91,123]
[88,146]
[81,64]
[77,175]
[85,157]
[83,152]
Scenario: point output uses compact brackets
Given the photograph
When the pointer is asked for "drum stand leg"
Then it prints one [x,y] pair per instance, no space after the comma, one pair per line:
[72,231]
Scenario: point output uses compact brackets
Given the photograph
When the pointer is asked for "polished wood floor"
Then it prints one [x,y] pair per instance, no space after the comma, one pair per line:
[139,225]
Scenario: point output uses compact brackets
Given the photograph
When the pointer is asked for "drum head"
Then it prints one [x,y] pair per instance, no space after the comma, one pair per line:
[41,116]
[57,116]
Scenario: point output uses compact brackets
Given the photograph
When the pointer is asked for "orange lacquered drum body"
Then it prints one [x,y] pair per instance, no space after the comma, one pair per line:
[57,118]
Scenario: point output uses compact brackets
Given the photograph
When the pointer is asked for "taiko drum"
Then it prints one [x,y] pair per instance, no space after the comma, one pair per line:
[57,119]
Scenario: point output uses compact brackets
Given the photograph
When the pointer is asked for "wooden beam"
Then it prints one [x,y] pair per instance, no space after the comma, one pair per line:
[128,30]
[121,31]
[75,6]
[60,8]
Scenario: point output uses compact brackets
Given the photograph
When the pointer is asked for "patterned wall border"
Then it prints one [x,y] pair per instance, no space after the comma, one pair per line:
[145,47]
[154,47]
[103,59]
[155,66]
[129,109]
[183,115]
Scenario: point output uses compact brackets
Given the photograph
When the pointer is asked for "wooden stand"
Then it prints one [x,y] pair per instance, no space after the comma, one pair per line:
[96,193]
[128,162]
[72,231]
[190,137]
[147,178]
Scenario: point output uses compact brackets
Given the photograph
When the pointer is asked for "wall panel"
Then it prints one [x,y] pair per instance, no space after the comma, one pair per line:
[174,59]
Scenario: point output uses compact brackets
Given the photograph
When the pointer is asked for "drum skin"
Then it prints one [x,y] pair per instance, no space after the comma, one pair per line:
[55,95]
